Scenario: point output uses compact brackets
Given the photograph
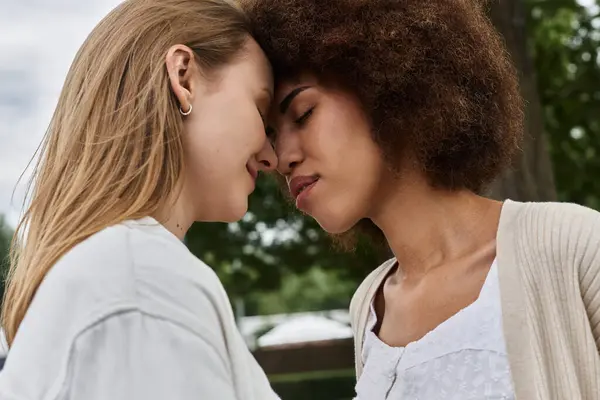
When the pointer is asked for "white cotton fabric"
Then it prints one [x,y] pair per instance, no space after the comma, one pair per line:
[131,314]
[463,358]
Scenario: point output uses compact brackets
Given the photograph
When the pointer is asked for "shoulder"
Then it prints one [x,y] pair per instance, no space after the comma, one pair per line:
[515,211]
[364,293]
[115,275]
[89,282]
[549,221]
[120,348]
[95,272]
[139,263]
[83,286]
[108,246]
[167,358]
[566,233]
[173,283]
[126,267]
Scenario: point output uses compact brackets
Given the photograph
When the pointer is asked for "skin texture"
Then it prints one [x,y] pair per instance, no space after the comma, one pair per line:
[225,143]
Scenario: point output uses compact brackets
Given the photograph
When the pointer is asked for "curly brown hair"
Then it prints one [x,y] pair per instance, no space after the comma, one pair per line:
[433,76]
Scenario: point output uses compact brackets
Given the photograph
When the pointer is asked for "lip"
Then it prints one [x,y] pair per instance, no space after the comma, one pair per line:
[300,184]
[301,200]
[252,171]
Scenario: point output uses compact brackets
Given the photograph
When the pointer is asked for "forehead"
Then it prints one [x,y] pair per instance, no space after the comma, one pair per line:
[252,64]
[257,55]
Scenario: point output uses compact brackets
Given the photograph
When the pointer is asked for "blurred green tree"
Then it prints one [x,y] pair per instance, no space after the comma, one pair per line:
[5,238]
[564,40]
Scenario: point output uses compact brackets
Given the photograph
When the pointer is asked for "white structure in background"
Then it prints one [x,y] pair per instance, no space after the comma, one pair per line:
[255,326]
[306,328]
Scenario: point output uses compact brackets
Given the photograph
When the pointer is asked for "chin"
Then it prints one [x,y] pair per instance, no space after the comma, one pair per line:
[236,213]
[336,225]
[337,218]
[233,211]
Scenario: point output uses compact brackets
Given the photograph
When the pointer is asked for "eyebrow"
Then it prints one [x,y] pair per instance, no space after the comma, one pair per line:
[285,103]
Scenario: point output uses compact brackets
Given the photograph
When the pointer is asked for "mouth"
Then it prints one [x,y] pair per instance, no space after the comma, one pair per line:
[301,184]
[252,171]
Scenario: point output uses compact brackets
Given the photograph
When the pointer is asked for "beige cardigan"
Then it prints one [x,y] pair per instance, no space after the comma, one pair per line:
[548,258]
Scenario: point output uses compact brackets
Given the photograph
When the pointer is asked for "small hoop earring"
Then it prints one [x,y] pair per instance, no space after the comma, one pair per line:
[188,112]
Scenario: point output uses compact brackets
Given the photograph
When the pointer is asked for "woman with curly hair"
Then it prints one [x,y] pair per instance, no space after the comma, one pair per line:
[392,117]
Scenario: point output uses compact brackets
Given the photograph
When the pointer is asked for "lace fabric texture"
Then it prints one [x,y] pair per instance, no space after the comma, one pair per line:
[463,358]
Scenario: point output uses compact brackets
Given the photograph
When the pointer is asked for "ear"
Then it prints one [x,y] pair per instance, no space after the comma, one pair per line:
[181,68]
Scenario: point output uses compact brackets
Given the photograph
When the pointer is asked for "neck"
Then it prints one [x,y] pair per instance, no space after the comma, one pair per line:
[426,227]
[176,216]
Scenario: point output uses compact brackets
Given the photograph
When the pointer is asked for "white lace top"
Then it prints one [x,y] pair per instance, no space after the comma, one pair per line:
[463,358]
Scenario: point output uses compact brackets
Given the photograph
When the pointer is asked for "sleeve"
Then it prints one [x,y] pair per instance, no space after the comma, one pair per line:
[137,356]
[589,270]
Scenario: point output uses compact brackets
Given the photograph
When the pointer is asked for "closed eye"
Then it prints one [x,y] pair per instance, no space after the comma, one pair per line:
[304,117]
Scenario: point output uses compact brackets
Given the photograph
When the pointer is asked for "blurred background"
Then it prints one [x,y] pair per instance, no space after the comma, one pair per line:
[290,290]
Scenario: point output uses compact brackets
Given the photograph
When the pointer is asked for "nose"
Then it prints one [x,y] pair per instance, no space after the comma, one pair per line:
[266,158]
[289,154]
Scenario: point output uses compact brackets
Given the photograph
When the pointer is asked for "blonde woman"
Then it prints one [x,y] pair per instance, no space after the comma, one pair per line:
[158,125]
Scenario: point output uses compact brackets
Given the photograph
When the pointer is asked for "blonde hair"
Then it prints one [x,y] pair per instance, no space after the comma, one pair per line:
[113,149]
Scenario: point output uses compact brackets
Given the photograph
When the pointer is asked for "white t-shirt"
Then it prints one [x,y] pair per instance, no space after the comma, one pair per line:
[131,314]
[464,358]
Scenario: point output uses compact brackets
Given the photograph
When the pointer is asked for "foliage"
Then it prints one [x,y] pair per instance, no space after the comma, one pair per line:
[564,41]
[316,289]
[5,237]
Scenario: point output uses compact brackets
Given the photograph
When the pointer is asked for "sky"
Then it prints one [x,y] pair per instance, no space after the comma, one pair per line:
[38,41]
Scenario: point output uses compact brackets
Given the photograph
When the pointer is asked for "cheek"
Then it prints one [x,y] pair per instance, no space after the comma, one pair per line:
[240,127]
[216,179]
[350,184]
[206,151]
[358,181]
[217,149]
[229,133]
[341,129]
[348,150]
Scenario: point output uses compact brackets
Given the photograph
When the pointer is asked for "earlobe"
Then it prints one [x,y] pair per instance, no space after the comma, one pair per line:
[180,65]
